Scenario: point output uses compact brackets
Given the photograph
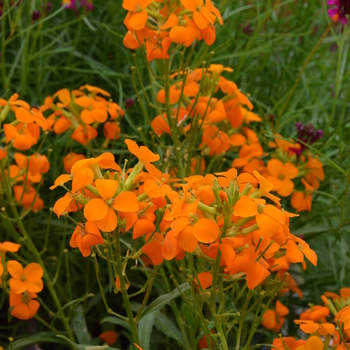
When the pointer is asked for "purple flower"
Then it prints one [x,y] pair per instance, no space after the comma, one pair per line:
[339,12]
[308,134]
[36,15]
[48,7]
[129,102]
[69,4]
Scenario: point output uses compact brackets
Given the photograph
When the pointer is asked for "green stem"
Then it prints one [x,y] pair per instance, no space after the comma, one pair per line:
[132,323]
[171,120]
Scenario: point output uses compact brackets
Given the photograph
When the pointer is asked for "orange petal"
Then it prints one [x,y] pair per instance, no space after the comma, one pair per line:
[206,230]
[13,247]
[126,202]
[274,166]
[314,343]
[15,269]
[17,286]
[95,209]
[186,240]
[138,20]
[106,188]
[281,310]
[205,279]
[109,222]
[81,178]
[142,227]
[245,207]
[33,271]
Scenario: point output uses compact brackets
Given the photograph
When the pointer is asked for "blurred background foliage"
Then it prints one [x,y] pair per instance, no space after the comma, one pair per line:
[266,42]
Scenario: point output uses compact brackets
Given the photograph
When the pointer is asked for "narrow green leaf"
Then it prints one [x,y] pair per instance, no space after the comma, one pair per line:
[44,337]
[80,327]
[166,326]
[117,321]
[165,299]
[86,347]
[145,327]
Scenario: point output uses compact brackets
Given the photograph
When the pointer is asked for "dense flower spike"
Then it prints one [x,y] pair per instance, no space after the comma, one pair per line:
[159,24]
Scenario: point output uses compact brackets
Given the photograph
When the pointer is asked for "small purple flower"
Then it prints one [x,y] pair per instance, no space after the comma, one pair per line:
[69,4]
[36,15]
[308,134]
[48,7]
[129,102]
[339,12]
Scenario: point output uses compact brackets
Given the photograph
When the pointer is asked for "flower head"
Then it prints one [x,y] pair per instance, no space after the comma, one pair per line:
[339,12]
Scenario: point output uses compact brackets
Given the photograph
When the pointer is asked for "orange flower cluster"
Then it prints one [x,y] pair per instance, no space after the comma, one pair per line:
[224,121]
[287,166]
[324,331]
[28,171]
[24,283]
[83,112]
[224,214]
[24,131]
[158,24]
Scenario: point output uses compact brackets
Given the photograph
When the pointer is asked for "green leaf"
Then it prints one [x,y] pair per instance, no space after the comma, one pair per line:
[44,337]
[117,321]
[145,327]
[80,327]
[86,347]
[165,299]
[166,326]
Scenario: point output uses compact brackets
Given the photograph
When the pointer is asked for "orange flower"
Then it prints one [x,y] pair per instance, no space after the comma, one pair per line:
[205,280]
[182,31]
[109,337]
[313,343]
[34,115]
[24,305]
[153,248]
[3,153]
[281,176]
[157,45]
[138,17]
[30,198]
[274,319]
[302,201]
[83,134]
[310,327]
[102,210]
[287,343]
[216,140]
[144,155]
[27,279]
[343,317]
[9,247]
[111,131]
[297,248]
[190,90]
[202,16]
[86,236]
[24,136]
[70,159]
[14,102]
[269,218]
[316,172]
